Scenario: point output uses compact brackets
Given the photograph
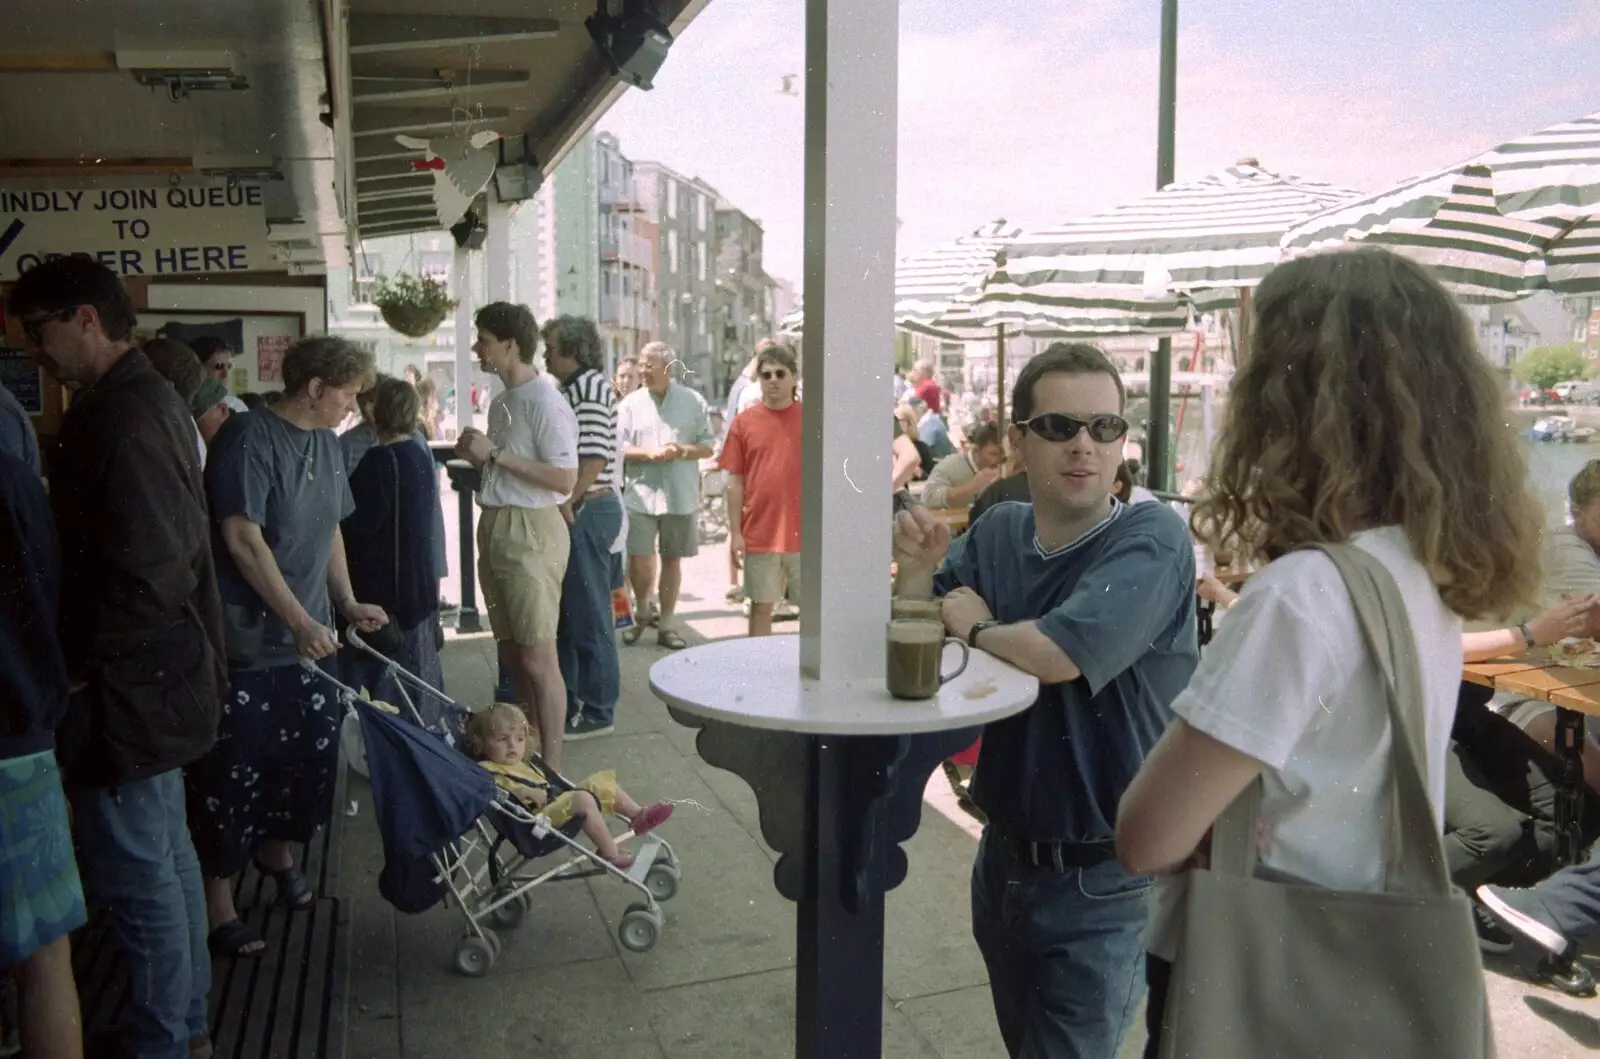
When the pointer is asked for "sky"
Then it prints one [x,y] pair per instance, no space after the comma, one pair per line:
[1038,111]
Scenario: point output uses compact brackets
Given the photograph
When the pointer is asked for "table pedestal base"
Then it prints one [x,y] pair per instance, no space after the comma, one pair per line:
[836,808]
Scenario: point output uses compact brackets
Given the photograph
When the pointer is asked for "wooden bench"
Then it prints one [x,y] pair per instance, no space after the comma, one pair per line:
[288,1002]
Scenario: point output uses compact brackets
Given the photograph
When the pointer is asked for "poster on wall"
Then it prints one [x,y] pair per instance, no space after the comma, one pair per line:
[269,356]
[21,374]
[271,333]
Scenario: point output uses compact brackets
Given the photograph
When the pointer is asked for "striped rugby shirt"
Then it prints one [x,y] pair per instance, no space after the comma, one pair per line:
[590,394]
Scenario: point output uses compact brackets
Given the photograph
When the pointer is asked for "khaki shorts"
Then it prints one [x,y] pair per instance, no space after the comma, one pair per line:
[765,573]
[522,557]
[680,536]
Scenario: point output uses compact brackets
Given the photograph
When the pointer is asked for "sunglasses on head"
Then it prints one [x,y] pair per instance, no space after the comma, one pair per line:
[1056,426]
[34,328]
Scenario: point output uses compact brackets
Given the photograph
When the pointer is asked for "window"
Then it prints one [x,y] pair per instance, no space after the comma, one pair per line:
[368,268]
[701,257]
[436,263]
[700,212]
[701,314]
[672,252]
[672,197]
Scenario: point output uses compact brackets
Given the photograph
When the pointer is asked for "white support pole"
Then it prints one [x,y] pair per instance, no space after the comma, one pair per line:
[497,251]
[852,83]
[461,290]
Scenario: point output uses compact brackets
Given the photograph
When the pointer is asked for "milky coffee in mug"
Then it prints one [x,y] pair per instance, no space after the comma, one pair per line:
[916,651]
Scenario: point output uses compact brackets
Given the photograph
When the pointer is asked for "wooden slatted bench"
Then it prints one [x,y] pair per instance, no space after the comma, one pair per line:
[288,1002]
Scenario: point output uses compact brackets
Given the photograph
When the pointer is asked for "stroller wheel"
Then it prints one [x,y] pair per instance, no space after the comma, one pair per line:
[639,929]
[509,915]
[474,956]
[662,881]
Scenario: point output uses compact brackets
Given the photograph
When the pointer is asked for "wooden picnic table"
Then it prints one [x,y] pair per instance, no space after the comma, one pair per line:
[954,517]
[1575,693]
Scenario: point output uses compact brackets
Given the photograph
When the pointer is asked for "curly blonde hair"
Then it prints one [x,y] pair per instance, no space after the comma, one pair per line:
[1363,401]
[482,724]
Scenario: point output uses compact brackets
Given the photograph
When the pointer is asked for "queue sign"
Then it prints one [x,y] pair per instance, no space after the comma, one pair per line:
[169,230]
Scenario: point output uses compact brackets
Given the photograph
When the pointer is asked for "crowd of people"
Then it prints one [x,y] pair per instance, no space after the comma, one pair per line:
[159,600]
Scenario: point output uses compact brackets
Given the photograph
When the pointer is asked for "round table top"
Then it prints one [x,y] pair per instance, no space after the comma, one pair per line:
[756,682]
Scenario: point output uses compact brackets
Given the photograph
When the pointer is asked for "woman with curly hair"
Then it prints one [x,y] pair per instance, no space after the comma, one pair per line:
[1363,413]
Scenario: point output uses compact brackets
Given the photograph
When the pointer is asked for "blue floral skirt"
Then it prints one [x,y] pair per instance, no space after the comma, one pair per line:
[271,773]
[41,897]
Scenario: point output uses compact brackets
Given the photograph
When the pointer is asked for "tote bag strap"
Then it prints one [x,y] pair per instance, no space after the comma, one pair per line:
[1414,855]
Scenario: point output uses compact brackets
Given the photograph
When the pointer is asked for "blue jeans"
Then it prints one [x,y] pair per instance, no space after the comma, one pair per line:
[586,639]
[1066,969]
[1572,897]
[139,865]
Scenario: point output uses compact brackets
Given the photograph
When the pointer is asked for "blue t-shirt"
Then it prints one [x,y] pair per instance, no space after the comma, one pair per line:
[291,483]
[1120,602]
[406,586]
[16,431]
[931,432]
[33,675]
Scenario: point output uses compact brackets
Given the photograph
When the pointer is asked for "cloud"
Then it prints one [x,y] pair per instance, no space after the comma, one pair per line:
[1038,121]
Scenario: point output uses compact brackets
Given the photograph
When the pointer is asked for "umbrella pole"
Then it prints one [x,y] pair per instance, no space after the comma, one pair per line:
[1000,371]
[1158,454]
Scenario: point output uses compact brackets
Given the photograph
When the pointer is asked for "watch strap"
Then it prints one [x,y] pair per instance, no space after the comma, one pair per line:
[1527,635]
[977,627]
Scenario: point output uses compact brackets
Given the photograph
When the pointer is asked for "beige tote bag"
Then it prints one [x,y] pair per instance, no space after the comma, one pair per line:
[1269,970]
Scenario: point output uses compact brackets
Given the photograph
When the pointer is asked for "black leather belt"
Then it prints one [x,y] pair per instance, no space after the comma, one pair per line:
[1060,856]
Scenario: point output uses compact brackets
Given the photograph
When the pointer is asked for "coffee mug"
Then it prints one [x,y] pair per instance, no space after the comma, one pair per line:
[916,657]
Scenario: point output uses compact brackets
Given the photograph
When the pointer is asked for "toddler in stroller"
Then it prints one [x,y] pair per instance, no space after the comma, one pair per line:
[498,738]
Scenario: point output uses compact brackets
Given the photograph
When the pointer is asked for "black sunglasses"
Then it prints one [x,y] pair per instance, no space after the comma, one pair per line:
[1055,426]
[34,328]
[779,373]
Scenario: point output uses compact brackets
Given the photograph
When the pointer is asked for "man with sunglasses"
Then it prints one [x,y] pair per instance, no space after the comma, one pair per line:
[1096,599]
[762,458]
[141,631]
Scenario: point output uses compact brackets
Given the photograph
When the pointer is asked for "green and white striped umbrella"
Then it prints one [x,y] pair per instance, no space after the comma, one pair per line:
[1140,268]
[926,285]
[1520,218]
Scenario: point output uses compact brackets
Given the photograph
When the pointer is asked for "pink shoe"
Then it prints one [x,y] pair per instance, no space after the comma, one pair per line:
[622,861]
[651,817]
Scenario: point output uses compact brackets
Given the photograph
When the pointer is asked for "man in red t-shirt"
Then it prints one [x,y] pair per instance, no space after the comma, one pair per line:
[762,458]
[927,388]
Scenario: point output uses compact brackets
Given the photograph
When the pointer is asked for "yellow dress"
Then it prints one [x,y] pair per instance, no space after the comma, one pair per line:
[521,778]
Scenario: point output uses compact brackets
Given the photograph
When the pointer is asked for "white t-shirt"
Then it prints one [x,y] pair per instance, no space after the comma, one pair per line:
[1289,680]
[534,421]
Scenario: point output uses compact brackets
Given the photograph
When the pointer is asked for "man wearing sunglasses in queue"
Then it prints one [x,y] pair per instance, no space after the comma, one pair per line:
[1097,600]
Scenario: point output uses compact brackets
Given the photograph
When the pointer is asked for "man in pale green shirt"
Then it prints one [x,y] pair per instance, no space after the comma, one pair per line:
[666,432]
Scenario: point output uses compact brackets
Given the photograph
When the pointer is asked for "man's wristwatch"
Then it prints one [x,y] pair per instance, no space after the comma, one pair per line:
[494,456]
[1527,635]
[979,626]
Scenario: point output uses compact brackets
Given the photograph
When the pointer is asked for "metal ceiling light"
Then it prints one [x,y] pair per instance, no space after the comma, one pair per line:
[183,72]
[634,44]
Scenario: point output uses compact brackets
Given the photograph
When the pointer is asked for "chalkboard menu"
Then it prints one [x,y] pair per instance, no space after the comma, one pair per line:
[20,374]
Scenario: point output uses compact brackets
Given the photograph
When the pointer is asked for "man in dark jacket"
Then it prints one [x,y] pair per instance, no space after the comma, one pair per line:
[141,629]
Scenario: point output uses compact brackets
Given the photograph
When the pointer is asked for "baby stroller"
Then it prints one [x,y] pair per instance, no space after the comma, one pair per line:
[450,834]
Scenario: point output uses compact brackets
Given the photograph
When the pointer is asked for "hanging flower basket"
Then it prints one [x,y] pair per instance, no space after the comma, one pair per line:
[413,306]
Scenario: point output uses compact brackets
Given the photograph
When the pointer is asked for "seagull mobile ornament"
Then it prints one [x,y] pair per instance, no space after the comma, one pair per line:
[462,166]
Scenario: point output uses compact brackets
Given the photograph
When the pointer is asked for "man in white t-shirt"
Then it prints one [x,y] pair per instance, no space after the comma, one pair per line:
[529,463]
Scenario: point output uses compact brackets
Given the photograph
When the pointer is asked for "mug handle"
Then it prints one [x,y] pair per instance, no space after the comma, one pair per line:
[966,656]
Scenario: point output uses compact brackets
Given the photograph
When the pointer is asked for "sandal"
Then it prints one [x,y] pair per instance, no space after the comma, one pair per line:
[293,891]
[651,817]
[631,634]
[671,640]
[235,938]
